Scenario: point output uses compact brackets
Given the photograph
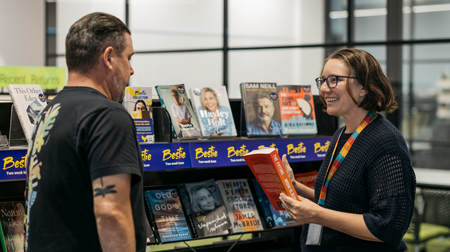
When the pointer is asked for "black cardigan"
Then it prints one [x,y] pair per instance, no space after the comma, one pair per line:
[375,179]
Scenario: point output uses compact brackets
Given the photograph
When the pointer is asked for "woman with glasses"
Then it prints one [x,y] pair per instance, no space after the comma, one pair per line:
[363,197]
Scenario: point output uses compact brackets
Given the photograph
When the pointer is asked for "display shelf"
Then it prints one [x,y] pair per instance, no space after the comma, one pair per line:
[182,155]
[170,163]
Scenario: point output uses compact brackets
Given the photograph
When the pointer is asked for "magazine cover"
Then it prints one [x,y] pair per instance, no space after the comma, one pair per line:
[12,231]
[28,101]
[240,204]
[261,108]
[272,217]
[297,110]
[138,102]
[213,111]
[175,100]
[166,213]
[204,209]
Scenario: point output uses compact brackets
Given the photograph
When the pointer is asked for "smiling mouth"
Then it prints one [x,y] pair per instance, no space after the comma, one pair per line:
[332,99]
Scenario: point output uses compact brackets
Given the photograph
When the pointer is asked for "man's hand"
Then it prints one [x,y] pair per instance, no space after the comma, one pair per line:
[112,209]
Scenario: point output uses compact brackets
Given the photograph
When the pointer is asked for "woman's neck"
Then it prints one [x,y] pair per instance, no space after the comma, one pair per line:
[354,120]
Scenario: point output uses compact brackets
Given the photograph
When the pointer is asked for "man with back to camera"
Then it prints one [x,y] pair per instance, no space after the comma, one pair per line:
[263,124]
[84,170]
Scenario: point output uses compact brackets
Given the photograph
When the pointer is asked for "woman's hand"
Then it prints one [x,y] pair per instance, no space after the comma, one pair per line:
[302,210]
[288,168]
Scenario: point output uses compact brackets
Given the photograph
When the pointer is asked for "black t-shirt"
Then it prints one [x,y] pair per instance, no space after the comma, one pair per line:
[79,137]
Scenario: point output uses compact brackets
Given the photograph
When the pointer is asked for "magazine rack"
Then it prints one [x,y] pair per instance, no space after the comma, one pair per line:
[162,129]
[16,134]
[273,240]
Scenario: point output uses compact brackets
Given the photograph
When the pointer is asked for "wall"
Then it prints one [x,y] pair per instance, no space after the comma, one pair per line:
[22,28]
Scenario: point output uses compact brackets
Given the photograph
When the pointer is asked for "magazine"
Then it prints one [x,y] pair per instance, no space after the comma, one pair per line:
[12,231]
[240,204]
[213,111]
[166,214]
[204,209]
[261,108]
[138,102]
[175,100]
[28,101]
[297,110]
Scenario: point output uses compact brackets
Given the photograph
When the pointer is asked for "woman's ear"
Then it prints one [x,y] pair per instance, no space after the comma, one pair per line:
[362,92]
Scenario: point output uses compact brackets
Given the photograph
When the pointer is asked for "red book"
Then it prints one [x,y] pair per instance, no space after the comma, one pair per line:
[268,169]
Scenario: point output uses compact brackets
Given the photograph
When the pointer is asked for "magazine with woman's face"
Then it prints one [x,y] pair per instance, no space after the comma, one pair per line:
[213,111]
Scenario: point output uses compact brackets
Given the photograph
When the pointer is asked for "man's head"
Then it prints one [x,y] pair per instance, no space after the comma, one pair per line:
[263,105]
[101,38]
[90,36]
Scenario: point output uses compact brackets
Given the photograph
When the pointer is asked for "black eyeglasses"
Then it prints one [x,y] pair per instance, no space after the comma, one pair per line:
[331,80]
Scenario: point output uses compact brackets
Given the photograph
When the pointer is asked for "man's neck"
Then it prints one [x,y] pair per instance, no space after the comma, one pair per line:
[78,80]
[266,125]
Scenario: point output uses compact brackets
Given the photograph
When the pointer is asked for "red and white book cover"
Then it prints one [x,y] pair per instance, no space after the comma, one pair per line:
[268,169]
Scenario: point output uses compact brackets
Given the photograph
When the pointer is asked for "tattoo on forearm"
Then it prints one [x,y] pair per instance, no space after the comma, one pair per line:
[104,190]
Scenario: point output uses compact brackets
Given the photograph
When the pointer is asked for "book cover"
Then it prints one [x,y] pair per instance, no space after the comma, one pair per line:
[167,215]
[240,204]
[261,108]
[28,101]
[306,178]
[138,102]
[175,100]
[268,169]
[204,209]
[12,231]
[213,111]
[272,218]
[297,110]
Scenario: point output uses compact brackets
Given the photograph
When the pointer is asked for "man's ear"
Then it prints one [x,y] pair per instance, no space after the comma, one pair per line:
[107,57]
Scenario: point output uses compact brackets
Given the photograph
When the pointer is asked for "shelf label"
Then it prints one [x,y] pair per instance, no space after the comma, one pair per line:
[229,153]
[165,156]
[13,164]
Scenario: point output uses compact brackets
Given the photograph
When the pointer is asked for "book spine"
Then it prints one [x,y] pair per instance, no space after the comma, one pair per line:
[289,189]
[266,211]
[152,223]
[163,105]
[184,198]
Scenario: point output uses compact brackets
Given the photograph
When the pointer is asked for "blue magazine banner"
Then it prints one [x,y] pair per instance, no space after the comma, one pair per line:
[229,153]
[13,164]
[165,156]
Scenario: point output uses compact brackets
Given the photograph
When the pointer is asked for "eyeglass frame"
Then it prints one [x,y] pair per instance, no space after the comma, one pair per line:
[328,82]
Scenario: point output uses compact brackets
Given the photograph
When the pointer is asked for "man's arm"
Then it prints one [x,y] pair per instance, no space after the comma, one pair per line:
[112,209]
